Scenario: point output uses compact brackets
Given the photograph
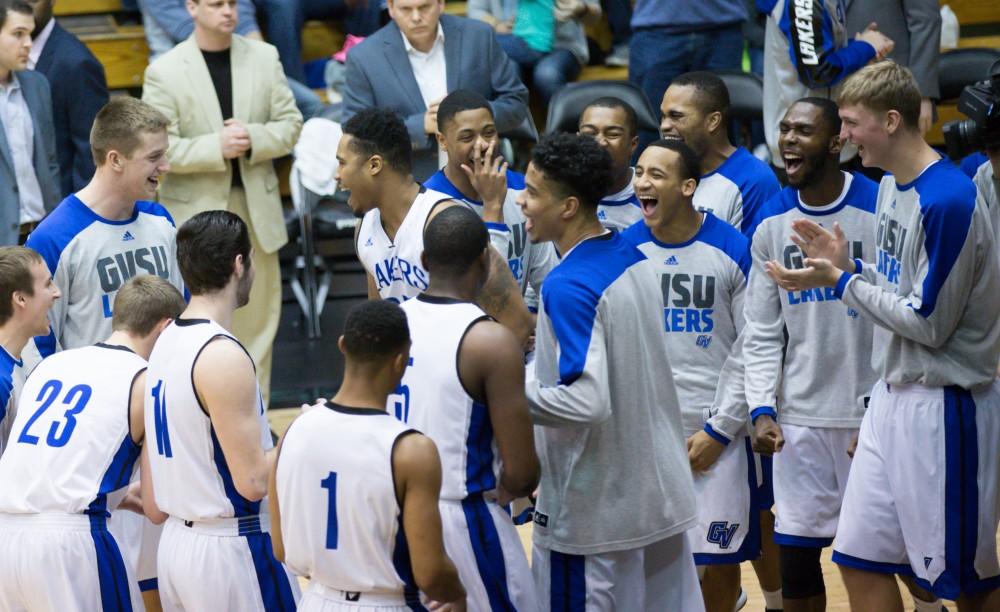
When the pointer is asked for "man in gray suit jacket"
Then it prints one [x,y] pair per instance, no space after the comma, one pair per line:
[412,63]
[29,166]
[915,28]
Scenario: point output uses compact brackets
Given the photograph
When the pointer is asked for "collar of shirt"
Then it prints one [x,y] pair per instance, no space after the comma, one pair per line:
[39,43]
[7,89]
[438,42]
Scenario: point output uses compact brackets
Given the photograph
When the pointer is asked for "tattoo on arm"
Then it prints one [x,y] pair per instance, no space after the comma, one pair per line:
[495,295]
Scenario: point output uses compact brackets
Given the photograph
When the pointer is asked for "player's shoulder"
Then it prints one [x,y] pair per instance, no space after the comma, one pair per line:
[589,269]
[778,204]
[515,180]
[749,172]
[153,209]
[637,233]
[725,238]
[55,233]
[863,193]
[943,187]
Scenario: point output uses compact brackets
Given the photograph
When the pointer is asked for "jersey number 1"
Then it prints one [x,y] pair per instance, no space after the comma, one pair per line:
[78,396]
[330,484]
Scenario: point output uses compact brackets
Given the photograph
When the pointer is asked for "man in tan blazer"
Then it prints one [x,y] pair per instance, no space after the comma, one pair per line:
[231,113]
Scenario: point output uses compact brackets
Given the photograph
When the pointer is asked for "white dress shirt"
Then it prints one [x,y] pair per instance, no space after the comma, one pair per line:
[431,75]
[39,43]
[20,132]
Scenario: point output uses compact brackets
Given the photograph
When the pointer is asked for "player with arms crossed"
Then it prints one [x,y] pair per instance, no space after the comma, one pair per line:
[354,492]
[613,124]
[464,388]
[616,495]
[921,499]
[213,451]
[75,442]
[702,263]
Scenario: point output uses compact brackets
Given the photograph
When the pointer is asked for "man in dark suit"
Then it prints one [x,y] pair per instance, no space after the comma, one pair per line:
[79,90]
[412,63]
[29,168]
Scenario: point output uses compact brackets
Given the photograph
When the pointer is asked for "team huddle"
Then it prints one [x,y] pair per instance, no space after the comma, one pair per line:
[612,353]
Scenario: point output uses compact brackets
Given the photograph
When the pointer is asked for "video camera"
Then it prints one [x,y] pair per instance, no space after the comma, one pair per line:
[981,103]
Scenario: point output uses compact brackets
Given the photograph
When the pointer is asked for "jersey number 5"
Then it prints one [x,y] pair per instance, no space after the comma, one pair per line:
[78,396]
[330,484]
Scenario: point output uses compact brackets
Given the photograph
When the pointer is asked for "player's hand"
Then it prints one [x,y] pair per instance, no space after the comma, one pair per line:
[703,451]
[234,138]
[767,437]
[133,499]
[453,606]
[926,115]
[503,27]
[817,241]
[431,118]
[503,496]
[853,446]
[883,44]
[817,273]
[488,176]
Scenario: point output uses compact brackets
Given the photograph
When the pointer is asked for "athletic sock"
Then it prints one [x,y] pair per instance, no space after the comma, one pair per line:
[927,606]
[772,600]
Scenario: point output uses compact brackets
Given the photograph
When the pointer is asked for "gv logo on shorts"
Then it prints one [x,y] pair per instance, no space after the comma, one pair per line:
[721,533]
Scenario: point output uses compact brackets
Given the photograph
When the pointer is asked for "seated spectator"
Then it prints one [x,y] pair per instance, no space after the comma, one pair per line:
[548,42]
[498,13]
[411,64]
[79,90]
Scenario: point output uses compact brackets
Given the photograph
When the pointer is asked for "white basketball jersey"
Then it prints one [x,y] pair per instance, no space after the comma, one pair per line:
[431,397]
[395,264]
[341,522]
[70,446]
[190,476]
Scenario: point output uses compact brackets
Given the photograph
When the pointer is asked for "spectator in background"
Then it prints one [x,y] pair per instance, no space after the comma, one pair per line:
[914,26]
[29,167]
[79,90]
[670,37]
[411,64]
[498,13]
[619,14]
[231,113]
[548,41]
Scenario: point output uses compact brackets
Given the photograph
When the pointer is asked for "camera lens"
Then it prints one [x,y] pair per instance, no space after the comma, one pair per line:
[962,138]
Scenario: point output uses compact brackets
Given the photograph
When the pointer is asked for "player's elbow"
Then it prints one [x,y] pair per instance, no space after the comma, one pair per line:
[253,487]
[152,511]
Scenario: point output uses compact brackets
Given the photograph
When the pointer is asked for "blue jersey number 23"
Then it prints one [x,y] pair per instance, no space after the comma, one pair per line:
[77,397]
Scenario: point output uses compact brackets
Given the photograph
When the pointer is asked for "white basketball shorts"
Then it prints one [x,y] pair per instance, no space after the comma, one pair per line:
[65,562]
[810,476]
[655,578]
[321,598]
[728,529]
[226,564]
[922,495]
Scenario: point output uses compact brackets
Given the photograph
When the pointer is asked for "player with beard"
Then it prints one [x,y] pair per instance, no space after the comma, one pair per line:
[613,123]
[210,449]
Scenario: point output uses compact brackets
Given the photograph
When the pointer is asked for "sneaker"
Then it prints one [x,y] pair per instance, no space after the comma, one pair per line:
[618,56]
[741,601]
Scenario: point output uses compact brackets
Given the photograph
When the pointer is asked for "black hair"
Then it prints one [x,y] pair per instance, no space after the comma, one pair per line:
[458,101]
[712,93]
[14,6]
[580,166]
[829,111]
[453,240]
[375,330]
[207,244]
[380,131]
[631,121]
[689,166]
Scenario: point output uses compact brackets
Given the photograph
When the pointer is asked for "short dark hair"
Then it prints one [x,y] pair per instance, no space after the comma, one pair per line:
[14,6]
[15,275]
[689,166]
[631,121]
[375,330]
[143,302]
[119,125]
[207,244]
[829,111]
[380,131]
[454,239]
[712,93]
[458,101]
[580,165]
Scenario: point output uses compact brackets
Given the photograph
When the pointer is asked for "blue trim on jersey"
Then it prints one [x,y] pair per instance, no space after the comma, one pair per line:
[761,411]
[241,505]
[755,181]
[119,472]
[750,547]
[404,568]
[573,289]
[834,63]
[871,566]
[497,227]
[714,232]
[765,492]
[275,589]
[150,584]
[567,582]
[7,365]
[632,199]
[859,266]
[970,163]
[488,551]
[111,572]
[440,182]
[716,435]
[947,202]
[841,286]
[863,195]
[784,539]
[479,476]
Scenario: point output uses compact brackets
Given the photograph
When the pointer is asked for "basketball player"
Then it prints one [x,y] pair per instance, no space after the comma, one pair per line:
[477,175]
[76,438]
[921,499]
[616,495]
[354,492]
[213,449]
[613,123]
[27,292]
[97,239]
[374,165]
[702,263]
[820,401]
[734,184]
[464,388]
